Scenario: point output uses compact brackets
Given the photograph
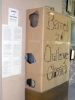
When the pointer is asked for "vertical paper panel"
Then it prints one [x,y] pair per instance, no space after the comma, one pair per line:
[50,49]
[57,31]
[55,65]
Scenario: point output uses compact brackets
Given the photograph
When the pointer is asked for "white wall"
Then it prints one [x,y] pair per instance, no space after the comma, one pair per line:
[14,86]
[0,50]
[57,4]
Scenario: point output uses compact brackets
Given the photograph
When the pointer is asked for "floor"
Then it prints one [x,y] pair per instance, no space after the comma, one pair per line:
[71,94]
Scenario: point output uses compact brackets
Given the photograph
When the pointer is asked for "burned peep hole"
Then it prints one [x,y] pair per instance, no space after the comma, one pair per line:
[30,58]
[34,17]
[54,74]
[31,82]
[61,36]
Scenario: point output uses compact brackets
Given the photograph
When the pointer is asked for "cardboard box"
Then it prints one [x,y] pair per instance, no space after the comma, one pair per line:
[47,49]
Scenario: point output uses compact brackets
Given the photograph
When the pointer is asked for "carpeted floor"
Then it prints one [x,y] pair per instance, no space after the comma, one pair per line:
[71,93]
